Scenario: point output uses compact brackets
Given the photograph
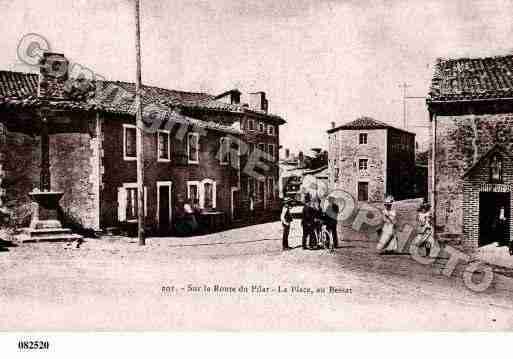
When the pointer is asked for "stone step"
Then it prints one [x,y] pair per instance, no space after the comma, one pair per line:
[63,237]
[43,232]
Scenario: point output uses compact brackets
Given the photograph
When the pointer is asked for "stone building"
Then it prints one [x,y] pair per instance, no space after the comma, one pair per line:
[260,133]
[371,159]
[195,147]
[471,170]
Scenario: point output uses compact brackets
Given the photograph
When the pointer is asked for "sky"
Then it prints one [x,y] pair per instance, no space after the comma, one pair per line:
[318,61]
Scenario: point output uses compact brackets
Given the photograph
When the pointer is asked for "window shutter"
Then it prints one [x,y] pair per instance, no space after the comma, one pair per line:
[121,204]
[214,195]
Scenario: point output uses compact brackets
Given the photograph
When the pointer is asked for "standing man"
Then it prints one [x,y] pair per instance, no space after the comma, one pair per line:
[307,221]
[502,228]
[331,219]
[286,220]
[252,207]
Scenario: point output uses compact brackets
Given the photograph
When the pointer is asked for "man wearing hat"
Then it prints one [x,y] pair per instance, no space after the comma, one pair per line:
[286,220]
[331,216]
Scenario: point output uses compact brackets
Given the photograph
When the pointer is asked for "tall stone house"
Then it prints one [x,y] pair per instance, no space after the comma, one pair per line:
[197,151]
[371,159]
[470,167]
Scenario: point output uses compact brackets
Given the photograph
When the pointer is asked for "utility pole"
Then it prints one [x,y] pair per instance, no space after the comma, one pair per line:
[404,86]
[139,129]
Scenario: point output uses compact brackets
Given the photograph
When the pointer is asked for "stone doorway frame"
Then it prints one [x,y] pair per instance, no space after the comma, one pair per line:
[471,193]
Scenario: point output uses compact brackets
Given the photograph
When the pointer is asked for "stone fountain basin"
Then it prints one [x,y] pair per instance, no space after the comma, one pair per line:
[49,199]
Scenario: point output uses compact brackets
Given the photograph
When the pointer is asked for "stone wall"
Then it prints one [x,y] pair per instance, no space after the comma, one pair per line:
[71,169]
[20,158]
[461,142]
[71,158]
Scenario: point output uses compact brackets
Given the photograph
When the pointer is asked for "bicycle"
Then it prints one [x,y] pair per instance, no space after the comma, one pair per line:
[323,238]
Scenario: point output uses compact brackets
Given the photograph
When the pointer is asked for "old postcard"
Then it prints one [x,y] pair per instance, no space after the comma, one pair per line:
[255,165]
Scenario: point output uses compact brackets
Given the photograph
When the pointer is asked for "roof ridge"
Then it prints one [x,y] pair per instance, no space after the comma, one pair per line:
[158,87]
[20,72]
[446,59]
[366,122]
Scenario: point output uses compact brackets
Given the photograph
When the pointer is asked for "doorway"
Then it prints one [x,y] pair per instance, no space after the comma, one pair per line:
[164,206]
[363,191]
[491,227]
[235,203]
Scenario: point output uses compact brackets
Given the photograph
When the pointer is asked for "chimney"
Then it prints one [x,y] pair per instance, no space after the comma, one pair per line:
[332,124]
[300,159]
[53,74]
[257,101]
[235,97]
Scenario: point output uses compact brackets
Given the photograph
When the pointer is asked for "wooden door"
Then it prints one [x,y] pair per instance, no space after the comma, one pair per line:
[363,191]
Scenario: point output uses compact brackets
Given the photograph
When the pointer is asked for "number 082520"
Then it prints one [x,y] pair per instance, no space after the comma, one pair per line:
[33,344]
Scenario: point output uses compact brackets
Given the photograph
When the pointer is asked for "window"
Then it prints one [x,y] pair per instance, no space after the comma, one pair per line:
[163,146]
[261,127]
[362,164]
[193,147]
[131,204]
[270,148]
[203,193]
[496,169]
[336,175]
[209,195]
[224,150]
[193,191]
[128,202]
[362,139]
[261,147]
[251,125]
[270,130]
[129,142]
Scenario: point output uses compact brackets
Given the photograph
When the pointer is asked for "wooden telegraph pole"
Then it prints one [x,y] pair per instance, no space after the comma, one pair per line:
[139,129]
[404,86]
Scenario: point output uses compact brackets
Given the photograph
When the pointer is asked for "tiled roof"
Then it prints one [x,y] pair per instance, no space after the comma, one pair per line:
[472,78]
[365,123]
[17,87]
[18,84]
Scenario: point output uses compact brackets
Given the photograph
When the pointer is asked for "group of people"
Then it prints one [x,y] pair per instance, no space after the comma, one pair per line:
[388,242]
[313,218]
